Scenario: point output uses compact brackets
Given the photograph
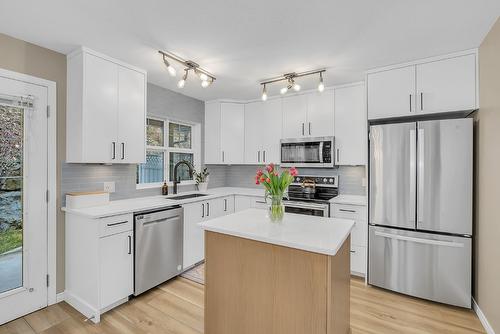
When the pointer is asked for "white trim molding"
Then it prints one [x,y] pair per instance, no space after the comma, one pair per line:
[60,297]
[482,318]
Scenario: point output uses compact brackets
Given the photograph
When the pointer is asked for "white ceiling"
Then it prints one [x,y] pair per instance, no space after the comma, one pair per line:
[245,41]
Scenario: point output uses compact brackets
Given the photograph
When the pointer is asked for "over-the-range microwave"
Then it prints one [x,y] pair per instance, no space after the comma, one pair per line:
[308,152]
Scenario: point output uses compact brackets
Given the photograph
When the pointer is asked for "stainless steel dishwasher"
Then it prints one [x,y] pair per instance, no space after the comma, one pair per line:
[158,247]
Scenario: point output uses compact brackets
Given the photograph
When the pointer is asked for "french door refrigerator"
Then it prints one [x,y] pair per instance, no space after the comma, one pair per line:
[421,209]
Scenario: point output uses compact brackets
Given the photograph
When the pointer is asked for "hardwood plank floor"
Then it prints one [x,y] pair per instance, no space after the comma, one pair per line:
[176,307]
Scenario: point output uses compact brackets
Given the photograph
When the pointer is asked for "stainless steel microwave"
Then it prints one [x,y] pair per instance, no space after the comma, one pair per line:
[308,152]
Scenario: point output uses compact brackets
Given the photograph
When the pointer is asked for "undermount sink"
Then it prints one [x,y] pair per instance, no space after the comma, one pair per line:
[187,196]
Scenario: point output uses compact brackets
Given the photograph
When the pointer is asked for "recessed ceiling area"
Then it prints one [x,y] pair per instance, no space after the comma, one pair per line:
[245,42]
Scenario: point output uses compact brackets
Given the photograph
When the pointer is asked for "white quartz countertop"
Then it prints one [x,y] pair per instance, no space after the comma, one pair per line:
[118,207]
[350,199]
[314,234]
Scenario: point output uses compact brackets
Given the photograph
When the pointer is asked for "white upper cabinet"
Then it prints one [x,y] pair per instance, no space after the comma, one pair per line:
[441,84]
[106,110]
[308,115]
[350,125]
[294,116]
[263,132]
[391,93]
[320,110]
[224,133]
[447,85]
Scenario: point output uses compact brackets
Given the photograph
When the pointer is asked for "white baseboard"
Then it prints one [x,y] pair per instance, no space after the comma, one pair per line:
[482,318]
[82,307]
[60,297]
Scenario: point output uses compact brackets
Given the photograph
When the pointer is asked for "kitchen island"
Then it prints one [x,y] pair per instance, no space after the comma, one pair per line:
[291,277]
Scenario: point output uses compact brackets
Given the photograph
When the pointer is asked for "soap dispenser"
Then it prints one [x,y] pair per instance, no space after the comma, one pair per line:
[164,188]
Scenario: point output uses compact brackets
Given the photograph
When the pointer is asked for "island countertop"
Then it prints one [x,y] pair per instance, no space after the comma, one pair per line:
[314,234]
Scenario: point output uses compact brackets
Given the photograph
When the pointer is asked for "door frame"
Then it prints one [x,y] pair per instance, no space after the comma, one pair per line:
[51,174]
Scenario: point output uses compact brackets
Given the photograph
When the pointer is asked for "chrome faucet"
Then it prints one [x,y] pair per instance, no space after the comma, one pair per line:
[191,171]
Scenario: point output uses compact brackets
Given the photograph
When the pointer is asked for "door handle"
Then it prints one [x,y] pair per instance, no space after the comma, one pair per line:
[309,128]
[202,210]
[113,146]
[420,240]
[129,244]
[123,151]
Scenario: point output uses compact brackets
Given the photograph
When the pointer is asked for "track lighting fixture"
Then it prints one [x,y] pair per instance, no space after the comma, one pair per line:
[291,84]
[206,77]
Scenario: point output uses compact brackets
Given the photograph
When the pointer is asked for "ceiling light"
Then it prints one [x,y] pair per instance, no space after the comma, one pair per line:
[296,87]
[206,78]
[283,90]
[321,86]
[170,68]
[264,93]
[182,82]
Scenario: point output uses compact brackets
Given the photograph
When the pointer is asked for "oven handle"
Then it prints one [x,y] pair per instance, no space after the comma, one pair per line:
[321,152]
[301,205]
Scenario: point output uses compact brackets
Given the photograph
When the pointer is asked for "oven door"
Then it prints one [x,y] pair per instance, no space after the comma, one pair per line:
[307,152]
[307,208]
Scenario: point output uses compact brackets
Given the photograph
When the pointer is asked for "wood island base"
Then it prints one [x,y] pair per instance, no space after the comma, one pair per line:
[253,287]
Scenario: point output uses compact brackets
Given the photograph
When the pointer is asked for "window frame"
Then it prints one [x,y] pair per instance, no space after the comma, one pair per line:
[166,149]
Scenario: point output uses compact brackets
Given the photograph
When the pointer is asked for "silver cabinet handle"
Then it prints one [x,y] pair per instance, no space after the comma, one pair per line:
[421,101]
[113,146]
[346,210]
[353,251]
[309,128]
[222,156]
[264,153]
[202,210]
[225,204]
[302,128]
[411,109]
[129,244]
[118,223]
[123,151]
[258,156]
[338,155]
[208,209]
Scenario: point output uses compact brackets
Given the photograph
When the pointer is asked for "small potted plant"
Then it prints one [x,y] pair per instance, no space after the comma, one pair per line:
[276,183]
[201,179]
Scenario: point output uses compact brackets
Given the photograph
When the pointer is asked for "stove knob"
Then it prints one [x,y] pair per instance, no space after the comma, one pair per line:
[325,180]
[331,180]
[297,179]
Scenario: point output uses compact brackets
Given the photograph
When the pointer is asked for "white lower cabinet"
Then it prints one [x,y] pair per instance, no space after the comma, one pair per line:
[194,238]
[359,239]
[99,263]
[246,202]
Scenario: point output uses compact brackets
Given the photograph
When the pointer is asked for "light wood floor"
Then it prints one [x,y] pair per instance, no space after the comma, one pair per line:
[177,307]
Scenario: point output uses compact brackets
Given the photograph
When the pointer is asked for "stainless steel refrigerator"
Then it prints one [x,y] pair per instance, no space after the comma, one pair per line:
[421,209]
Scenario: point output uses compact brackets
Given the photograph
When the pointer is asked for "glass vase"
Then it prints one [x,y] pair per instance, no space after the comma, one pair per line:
[276,208]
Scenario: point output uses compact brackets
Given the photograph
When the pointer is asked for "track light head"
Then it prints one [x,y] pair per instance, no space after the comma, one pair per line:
[284,90]
[264,93]
[321,85]
[170,68]
[205,83]
[182,82]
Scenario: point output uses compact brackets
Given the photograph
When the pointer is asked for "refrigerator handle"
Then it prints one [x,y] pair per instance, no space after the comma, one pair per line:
[420,175]
[420,240]
[413,176]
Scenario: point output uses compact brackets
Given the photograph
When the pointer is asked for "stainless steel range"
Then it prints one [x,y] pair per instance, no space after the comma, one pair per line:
[311,195]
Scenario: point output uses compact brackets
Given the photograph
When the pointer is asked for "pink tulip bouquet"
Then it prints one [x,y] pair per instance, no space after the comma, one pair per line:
[276,183]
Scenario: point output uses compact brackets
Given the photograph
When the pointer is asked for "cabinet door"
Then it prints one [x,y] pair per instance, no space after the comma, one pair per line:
[194,242]
[117,267]
[271,125]
[131,116]
[232,133]
[212,133]
[241,203]
[254,125]
[447,85]
[320,114]
[294,116]
[350,126]
[100,131]
[391,93]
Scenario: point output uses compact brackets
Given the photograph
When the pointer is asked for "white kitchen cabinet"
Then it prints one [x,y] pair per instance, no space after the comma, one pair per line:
[447,85]
[106,110]
[308,115]
[294,116]
[263,132]
[391,93]
[320,114]
[359,234]
[99,263]
[435,85]
[350,125]
[224,133]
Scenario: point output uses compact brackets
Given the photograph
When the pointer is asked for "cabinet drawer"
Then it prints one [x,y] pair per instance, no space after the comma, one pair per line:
[359,234]
[358,260]
[349,211]
[115,224]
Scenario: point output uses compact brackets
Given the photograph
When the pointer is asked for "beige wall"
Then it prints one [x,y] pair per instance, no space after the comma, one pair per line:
[27,58]
[487,181]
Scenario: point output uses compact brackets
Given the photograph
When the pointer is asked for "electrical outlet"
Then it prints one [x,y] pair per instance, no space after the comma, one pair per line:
[109,187]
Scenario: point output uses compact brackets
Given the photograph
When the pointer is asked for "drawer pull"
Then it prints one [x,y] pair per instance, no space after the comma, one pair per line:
[115,224]
[353,251]
[346,210]
[260,202]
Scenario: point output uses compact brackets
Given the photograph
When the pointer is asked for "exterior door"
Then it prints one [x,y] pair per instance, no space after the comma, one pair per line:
[392,175]
[445,176]
[23,207]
